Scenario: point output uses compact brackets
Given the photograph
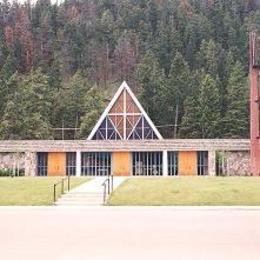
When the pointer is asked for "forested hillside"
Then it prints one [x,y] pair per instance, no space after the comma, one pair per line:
[186,60]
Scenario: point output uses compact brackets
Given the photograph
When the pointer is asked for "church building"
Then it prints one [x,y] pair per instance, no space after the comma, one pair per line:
[125,142]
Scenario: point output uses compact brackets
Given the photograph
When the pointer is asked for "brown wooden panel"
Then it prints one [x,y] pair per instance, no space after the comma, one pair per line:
[121,163]
[56,164]
[187,163]
[131,107]
[118,107]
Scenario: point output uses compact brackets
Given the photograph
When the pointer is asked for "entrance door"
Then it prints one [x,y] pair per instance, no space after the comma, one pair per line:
[187,163]
[121,163]
[56,164]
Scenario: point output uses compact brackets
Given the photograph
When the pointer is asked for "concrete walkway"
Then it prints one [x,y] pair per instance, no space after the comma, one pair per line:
[88,194]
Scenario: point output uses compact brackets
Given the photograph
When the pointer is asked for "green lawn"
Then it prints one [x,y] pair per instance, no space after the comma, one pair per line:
[188,191]
[30,190]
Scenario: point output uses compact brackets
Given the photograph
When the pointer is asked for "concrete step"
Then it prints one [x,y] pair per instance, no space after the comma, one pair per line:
[78,203]
[79,195]
[87,194]
[90,189]
[82,195]
[95,200]
[82,198]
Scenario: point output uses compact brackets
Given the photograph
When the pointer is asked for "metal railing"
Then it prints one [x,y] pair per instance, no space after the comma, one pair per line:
[108,185]
[62,182]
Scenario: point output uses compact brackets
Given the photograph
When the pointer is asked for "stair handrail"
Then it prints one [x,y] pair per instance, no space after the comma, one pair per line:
[108,187]
[62,182]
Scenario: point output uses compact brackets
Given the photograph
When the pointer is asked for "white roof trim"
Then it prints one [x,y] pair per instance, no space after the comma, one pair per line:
[150,122]
[112,102]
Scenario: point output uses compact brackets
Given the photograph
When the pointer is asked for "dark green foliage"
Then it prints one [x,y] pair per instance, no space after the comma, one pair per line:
[28,109]
[152,85]
[178,87]
[52,55]
[10,173]
[202,111]
[94,105]
[237,110]
[69,103]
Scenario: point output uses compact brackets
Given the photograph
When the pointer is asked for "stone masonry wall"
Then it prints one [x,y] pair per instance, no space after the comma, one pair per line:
[8,160]
[238,163]
[30,164]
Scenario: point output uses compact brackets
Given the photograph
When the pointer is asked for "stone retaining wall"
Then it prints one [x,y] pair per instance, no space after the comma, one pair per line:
[24,161]
[8,160]
[238,163]
[30,164]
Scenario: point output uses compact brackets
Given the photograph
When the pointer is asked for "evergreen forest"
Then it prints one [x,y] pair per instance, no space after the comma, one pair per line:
[186,60]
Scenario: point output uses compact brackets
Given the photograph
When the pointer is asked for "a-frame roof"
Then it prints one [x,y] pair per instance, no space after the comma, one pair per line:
[124,118]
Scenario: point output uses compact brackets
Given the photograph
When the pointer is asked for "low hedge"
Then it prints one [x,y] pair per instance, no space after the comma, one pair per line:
[9,173]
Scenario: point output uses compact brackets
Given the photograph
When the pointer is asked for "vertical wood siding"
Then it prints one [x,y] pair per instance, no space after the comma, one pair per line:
[56,164]
[187,163]
[121,163]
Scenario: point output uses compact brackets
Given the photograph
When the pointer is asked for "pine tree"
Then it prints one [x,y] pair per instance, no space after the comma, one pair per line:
[12,124]
[209,108]
[7,89]
[152,15]
[190,121]
[28,109]
[212,59]
[9,67]
[12,111]
[54,73]
[178,87]
[3,49]
[209,58]
[94,105]
[166,44]
[202,112]
[69,102]
[236,120]
[196,30]
[37,93]
[152,80]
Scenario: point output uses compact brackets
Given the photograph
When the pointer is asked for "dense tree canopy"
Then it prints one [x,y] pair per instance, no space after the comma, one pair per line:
[187,60]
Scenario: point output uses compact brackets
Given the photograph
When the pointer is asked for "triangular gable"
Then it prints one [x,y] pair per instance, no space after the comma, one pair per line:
[124,119]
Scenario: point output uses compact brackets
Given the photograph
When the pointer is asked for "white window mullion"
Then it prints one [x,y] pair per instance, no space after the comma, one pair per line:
[147,172]
[139,161]
[106,128]
[124,111]
[78,163]
[142,127]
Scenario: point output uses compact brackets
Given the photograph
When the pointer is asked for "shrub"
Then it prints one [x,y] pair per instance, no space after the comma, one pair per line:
[9,172]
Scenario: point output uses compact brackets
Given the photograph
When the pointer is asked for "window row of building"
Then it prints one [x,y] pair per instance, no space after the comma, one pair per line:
[142,163]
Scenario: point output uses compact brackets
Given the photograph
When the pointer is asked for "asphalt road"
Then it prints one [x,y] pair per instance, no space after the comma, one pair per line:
[129,233]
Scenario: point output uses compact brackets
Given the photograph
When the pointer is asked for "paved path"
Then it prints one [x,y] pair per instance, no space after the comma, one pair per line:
[88,194]
[58,233]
